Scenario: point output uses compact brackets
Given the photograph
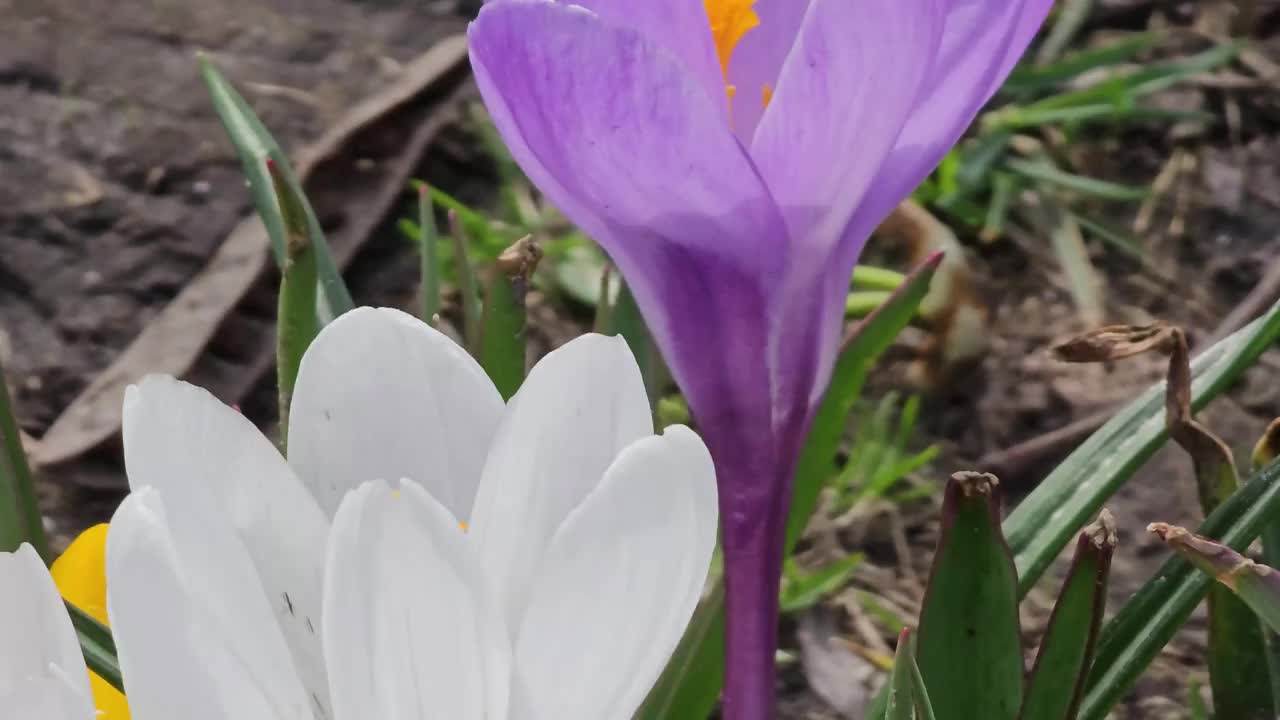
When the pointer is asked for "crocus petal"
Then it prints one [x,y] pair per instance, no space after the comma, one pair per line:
[408,633]
[619,582]
[42,674]
[843,96]
[680,27]
[981,42]
[188,648]
[244,527]
[575,412]
[380,394]
[641,161]
[758,60]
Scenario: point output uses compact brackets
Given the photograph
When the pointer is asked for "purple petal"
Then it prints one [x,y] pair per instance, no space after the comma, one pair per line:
[843,96]
[678,26]
[758,59]
[981,42]
[619,137]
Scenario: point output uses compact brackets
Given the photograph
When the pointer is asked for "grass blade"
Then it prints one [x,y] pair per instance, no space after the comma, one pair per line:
[1066,652]
[1150,618]
[254,144]
[1042,524]
[1048,173]
[20,519]
[901,693]
[296,324]
[97,645]
[502,327]
[970,609]
[429,255]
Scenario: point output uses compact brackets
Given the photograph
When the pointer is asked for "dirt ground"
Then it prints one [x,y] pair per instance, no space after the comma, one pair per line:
[118,187]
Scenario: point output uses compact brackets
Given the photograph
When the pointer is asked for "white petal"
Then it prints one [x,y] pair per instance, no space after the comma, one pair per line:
[239,516]
[187,649]
[408,633]
[382,395]
[619,583]
[575,412]
[42,674]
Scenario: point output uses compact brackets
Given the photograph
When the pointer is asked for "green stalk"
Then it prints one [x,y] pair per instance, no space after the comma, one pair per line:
[429,254]
[20,519]
[862,303]
[297,324]
[869,277]
[466,283]
[502,337]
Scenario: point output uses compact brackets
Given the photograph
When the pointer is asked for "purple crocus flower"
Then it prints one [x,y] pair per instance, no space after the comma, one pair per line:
[733,157]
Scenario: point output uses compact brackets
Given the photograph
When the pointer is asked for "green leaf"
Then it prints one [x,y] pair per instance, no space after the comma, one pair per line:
[296,324]
[467,283]
[865,343]
[1066,652]
[429,255]
[869,277]
[901,686]
[20,519]
[1046,172]
[801,591]
[1031,78]
[626,320]
[1042,524]
[691,682]
[1132,639]
[969,645]
[1238,669]
[98,646]
[502,327]
[254,144]
[923,703]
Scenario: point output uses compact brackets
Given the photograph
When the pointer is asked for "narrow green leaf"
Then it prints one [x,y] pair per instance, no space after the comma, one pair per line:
[429,255]
[20,519]
[803,591]
[923,703]
[1238,670]
[466,282]
[1030,78]
[296,324]
[253,143]
[970,609]
[862,303]
[1149,619]
[98,646]
[865,343]
[869,277]
[502,328]
[626,320]
[691,682]
[1264,453]
[1046,172]
[901,691]
[1042,524]
[1066,652]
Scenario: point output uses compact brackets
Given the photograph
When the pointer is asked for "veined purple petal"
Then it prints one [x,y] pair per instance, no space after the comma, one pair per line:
[758,59]
[981,41]
[619,137]
[843,96]
[679,26]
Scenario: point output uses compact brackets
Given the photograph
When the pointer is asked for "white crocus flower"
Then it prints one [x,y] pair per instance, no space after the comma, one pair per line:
[42,674]
[534,559]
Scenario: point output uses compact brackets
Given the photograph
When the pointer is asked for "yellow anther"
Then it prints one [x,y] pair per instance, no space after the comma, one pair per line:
[81,576]
[768,94]
[730,20]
